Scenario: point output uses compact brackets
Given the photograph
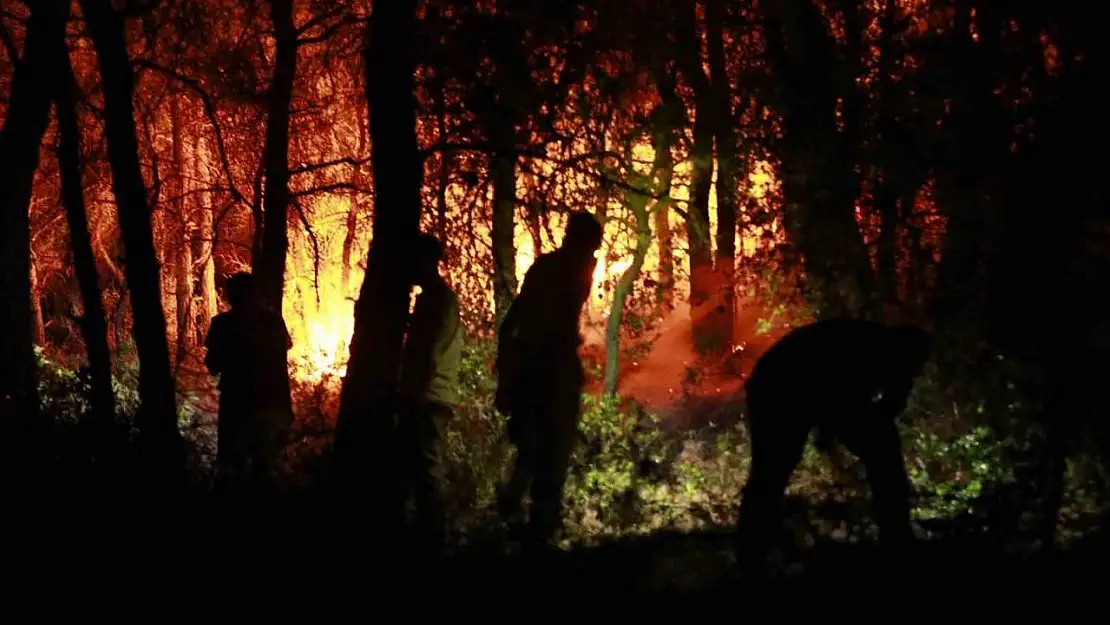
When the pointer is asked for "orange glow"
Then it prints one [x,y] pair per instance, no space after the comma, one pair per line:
[319,308]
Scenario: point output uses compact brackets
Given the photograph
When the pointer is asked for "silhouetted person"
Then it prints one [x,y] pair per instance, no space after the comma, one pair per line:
[540,376]
[849,379]
[429,375]
[247,347]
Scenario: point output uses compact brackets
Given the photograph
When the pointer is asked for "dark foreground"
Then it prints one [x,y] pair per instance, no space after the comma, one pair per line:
[303,555]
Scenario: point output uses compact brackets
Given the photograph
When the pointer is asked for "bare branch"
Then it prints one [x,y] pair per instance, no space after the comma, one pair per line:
[315,250]
[305,169]
[328,188]
[209,111]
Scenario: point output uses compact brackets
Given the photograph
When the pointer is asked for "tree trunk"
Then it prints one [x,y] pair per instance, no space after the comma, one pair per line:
[444,162]
[728,176]
[819,180]
[670,119]
[363,431]
[640,206]
[350,237]
[24,125]
[209,306]
[503,171]
[38,327]
[697,220]
[275,236]
[157,419]
[94,325]
[183,263]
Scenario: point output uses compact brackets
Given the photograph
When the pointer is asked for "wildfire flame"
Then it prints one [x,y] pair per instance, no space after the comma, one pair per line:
[319,303]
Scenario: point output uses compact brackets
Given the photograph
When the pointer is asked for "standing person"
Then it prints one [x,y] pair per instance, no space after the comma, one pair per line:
[540,376]
[247,348]
[428,380]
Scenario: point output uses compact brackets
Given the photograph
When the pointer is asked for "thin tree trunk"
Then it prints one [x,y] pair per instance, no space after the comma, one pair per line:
[157,418]
[640,205]
[503,166]
[363,431]
[38,327]
[275,236]
[183,263]
[350,237]
[672,116]
[209,306]
[728,175]
[94,325]
[24,126]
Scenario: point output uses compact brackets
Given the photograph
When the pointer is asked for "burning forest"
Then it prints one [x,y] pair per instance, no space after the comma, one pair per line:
[752,168]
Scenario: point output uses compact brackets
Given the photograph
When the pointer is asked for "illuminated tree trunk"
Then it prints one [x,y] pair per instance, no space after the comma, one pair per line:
[38,328]
[183,263]
[24,125]
[209,306]
[728,176]
[351,235]
[94,325]
[641,206]
[275,238]
[157,419]
[363,431]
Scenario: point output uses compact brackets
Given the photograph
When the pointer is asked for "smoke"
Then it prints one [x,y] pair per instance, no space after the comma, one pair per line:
[670,379]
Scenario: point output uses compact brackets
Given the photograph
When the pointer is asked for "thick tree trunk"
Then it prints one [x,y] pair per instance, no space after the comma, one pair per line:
[819,179]
[161,440]
[25,123]
[275,236]
[94,325]
[364,424]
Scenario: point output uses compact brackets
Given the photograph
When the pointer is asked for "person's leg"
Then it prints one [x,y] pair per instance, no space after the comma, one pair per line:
[427,490]
[777,440]
[558,430]
[876,442]
[510,499]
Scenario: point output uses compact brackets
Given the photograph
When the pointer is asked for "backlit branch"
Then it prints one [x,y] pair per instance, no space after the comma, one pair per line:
[210,113]
[353,162]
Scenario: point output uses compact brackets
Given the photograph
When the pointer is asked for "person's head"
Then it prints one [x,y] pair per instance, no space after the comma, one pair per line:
[241,291]
[583,233]
[427,254]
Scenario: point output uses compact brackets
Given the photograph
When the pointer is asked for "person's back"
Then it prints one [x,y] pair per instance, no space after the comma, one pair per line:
[433,346]
[540,375]
[246,348]
[250,348]
[849,379]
